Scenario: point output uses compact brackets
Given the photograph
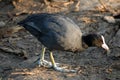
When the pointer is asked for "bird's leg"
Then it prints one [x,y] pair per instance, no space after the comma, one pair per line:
[58,68]
[42,61]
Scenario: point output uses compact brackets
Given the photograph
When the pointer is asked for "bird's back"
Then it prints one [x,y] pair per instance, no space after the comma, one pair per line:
[54,31]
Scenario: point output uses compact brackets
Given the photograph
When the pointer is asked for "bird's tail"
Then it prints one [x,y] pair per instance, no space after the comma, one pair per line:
[33,30]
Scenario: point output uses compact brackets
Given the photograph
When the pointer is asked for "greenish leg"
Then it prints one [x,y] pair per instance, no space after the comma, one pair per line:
[53,64]
[43,54]
[58,68]
[42,61]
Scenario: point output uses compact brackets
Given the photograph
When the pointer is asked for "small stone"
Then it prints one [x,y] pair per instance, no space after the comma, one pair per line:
[2,24]
[109,19]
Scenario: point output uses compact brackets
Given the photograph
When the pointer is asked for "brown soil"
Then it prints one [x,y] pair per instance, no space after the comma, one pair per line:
[19,49]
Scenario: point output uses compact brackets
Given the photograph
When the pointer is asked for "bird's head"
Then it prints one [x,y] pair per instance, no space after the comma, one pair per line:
[96,40]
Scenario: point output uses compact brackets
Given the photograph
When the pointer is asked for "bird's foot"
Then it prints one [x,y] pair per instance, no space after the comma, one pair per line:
[62,69]
[45,63]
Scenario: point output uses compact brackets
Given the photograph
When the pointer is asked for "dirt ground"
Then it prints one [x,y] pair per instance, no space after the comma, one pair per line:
[19,49]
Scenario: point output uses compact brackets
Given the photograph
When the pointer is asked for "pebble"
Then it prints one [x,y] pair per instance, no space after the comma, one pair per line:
[2,24]
[109,19]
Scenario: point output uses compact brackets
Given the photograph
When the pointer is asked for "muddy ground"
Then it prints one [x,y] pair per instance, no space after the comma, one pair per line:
[19,49]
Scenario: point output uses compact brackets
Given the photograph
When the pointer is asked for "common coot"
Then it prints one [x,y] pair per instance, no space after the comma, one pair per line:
[57,32]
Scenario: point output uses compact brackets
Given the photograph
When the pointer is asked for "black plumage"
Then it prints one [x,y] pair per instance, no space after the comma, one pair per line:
[54,31]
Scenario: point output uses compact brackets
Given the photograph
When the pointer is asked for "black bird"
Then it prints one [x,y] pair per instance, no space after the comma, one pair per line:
[57,32]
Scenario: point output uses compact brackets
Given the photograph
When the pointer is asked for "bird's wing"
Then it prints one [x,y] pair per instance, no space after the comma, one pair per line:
[32,24]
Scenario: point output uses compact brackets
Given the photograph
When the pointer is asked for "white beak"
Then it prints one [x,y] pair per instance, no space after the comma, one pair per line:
[104,45]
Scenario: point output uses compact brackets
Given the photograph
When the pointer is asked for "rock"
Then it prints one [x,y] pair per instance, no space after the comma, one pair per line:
[115,44]
[116,40]
[109,19]
[116,66]
[2,24]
